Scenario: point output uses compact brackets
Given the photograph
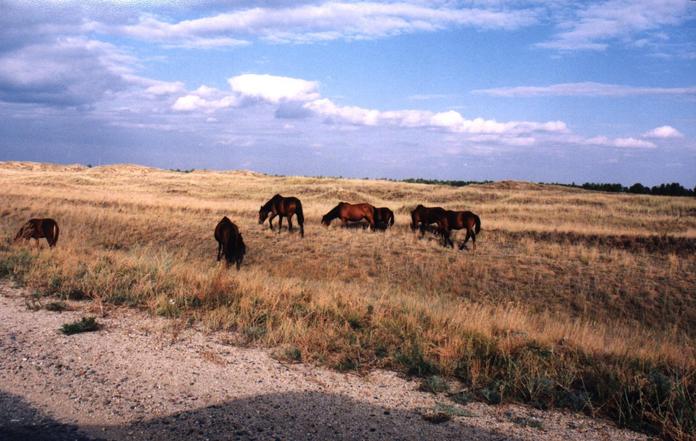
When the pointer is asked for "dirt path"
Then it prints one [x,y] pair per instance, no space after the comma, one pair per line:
[134,380]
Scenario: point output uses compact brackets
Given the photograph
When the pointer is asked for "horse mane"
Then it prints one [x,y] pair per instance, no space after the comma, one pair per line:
[333,214]
[267,206]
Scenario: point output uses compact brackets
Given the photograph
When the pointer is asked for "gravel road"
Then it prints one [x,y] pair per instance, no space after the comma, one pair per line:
[137,379]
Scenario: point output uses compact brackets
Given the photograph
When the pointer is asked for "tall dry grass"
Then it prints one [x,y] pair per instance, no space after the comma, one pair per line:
[573,299]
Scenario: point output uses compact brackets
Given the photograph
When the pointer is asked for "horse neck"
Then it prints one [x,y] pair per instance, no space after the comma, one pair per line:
[268,206]
[334,213]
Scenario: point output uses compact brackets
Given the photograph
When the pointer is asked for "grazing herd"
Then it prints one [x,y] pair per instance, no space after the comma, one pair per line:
[231,244]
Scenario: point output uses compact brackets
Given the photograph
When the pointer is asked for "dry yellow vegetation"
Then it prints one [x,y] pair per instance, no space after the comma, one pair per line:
[573,298]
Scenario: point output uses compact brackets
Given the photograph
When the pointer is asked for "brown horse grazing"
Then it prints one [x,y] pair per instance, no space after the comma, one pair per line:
[422,217]
[38,228]
[350,212]
[281,206]
[384,218]
[230,242]
[456,220]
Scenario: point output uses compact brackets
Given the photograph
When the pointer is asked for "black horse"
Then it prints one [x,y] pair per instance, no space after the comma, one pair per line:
[230,242]
[384,218]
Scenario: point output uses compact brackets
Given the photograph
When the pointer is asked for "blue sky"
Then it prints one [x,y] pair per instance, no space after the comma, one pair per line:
[483,89]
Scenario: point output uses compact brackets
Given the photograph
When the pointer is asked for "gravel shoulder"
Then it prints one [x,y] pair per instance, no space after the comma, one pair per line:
[141,378]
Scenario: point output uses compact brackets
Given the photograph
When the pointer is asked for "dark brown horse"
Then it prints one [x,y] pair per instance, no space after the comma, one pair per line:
[38,228]
[384,218]
[281,206]
[457,220]
[422,217]
[230,242]
[350,212]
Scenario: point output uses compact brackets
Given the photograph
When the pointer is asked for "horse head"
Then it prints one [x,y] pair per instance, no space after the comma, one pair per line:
[263,214]
[325,220]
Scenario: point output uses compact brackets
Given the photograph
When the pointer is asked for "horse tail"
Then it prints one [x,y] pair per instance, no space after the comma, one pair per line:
[56,233]
[478,224]
[300,217]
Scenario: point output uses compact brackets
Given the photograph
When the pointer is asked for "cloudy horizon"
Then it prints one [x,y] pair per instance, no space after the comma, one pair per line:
[600,91]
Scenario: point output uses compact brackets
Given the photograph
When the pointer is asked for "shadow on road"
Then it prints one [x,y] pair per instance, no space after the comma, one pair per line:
[285,416]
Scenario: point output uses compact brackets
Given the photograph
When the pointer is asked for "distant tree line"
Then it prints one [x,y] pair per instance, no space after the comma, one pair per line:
[452,183]
[673,189]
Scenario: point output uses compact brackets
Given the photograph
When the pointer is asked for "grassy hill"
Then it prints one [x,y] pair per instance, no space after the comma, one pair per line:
[573,299]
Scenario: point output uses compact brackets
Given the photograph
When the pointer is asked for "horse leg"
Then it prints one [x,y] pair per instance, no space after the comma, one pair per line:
[219,253]
[280,223]
[371,219]
[446,237]
[466,239]
[473,240]
[290,223]
[270,220]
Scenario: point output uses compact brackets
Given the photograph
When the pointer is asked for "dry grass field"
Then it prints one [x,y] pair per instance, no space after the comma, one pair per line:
[573,299]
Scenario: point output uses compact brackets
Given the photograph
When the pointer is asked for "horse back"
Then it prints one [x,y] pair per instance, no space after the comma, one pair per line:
[39,228]
[222,228]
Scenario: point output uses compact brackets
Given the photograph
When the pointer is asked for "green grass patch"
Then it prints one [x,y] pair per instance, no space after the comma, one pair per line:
[85,324]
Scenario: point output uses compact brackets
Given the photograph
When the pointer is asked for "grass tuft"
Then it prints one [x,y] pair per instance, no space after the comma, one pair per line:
[85,324]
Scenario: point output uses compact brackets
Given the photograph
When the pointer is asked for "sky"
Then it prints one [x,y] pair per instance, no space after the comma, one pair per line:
[544,91]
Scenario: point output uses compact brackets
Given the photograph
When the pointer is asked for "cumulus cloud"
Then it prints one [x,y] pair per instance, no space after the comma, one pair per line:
[620,142]
[321,22]
[274,89]
[663,132]
[590,89]
[206,99]
[248,88]
[160,88]
[295,98]
[593,26]
[451,120]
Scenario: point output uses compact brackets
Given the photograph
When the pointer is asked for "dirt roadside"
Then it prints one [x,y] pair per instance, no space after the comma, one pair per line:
[133,380]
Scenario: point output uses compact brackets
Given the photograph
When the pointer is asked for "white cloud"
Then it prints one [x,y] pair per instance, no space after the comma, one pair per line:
[269,89]
[585,89]
[194,102]
[274,89]
[296,98]
[343,114]
[449,120]
[593,26]
[208,43]
[633,143]
[663,132]
[321,22]
[165,88]
[619,142]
